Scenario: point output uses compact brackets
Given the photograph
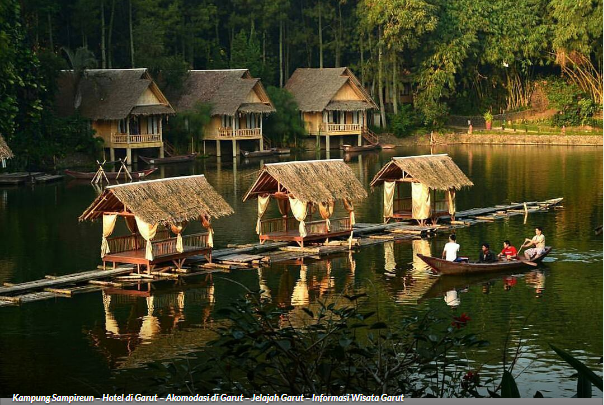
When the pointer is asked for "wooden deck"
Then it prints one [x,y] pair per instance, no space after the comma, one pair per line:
[287,230]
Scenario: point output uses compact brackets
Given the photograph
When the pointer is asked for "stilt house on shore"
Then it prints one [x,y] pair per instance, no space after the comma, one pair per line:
[153,211]
[239,105]
[333,103]
[420,187]
[301,190]
[5,152]
[125,107]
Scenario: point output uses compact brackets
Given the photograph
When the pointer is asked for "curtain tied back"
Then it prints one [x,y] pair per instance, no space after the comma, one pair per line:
[108,226]
[147,231]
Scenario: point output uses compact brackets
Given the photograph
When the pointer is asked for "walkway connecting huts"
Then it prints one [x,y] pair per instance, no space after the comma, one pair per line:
[332,103]
[420,187]
[125,106]
[301,190]
[153,211]
[5,152]
[239,104]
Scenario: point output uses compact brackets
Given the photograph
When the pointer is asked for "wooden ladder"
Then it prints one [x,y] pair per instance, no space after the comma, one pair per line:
[169,149]
[370,136]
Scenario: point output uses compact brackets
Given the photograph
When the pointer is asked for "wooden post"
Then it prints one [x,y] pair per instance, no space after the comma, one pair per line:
[261,143]
[218,148]
[234,147]
[327,147]
[112,154]
[360,140]
[128,155]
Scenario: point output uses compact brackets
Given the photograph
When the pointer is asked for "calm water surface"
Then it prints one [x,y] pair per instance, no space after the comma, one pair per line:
[97,342]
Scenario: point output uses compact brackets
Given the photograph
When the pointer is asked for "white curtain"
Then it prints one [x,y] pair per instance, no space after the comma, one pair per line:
[205,221]
[350,208]
[451,199]
[421,205]
[326,210]
[389,199]
[299,209]
[177,229]
[262,206]
[147,231]
[108,226]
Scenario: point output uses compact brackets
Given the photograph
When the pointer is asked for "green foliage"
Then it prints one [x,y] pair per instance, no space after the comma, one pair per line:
[189,125]
[509,389]
[406,121]
[246,54]
[285,125]
[488,116]
[575,107]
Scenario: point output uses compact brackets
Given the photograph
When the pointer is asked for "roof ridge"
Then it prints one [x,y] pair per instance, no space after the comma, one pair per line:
[155,180]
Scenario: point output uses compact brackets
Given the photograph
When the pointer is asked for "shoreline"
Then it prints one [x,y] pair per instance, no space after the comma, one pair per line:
[495,139]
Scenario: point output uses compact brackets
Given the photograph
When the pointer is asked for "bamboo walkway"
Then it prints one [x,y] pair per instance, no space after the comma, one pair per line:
[255,255]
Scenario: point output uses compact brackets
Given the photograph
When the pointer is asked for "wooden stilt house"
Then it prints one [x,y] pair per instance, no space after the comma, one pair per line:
[156,213]
[125,107]
[239,105]
[303,190]
[420,187]
[333,103]
[5,152]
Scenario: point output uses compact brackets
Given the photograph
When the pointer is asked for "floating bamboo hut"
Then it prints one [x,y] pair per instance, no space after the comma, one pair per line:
[155,210]
[301,189]
[5,152]
[420,187]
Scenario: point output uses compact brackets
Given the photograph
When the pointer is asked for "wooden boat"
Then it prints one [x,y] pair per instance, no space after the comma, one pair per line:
[362,148]
[282,151]
[169,159]
[447,268]
[258,153]
[388,146]
[110,175]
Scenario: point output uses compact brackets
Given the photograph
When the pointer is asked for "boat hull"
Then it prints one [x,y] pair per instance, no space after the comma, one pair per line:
[169,159]
[447,268]
[110,175]
[362,148]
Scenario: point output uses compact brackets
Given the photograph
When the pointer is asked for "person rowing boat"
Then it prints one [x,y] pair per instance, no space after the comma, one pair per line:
[508,252]
[538,241]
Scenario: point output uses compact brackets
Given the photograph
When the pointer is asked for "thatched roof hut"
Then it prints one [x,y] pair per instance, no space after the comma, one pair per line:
[315,89]
[302,188]
[434,180]
[228,91]
[109,94]
[438,172]
[313,181]
[5,152]
[163,201]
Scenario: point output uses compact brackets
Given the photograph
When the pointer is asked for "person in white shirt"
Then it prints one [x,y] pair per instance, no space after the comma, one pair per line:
[451,249]
[538,241]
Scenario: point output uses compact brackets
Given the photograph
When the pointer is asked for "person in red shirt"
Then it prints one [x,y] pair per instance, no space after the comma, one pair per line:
[509,251]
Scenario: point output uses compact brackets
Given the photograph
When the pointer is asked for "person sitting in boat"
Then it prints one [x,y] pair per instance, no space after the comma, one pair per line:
[451,249]
[486,256]
[538,241]
[508,251]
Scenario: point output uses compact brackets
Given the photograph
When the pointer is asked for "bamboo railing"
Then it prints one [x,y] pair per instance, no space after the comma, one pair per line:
[290,225]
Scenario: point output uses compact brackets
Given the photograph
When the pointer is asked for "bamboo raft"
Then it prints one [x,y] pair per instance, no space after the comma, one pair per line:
[241,257]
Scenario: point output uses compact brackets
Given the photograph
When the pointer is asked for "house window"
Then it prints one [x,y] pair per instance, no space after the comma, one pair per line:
[227,121]
[355,117]
[248,121]
[121,127]
[152,125]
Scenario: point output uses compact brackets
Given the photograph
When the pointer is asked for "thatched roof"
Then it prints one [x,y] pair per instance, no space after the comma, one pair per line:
[5,152]
[226,90]
[312,181]
[161,201]
[439,172]
[314,89]
[107,94]
[348,105]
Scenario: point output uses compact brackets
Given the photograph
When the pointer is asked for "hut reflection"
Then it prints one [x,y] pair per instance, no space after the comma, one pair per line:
[155,320]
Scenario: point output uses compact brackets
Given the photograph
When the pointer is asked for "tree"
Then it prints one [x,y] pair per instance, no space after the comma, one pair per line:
[246,54]
[188,126]
[285,125]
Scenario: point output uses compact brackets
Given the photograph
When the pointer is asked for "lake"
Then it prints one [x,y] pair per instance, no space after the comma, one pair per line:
[96,342]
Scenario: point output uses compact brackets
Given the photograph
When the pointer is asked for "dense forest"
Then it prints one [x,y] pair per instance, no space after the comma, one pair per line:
[463,56]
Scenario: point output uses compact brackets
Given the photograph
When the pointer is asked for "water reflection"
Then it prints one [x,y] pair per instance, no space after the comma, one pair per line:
[147,324]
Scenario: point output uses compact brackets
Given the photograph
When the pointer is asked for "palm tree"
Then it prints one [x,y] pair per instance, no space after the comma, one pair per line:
[80,60]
